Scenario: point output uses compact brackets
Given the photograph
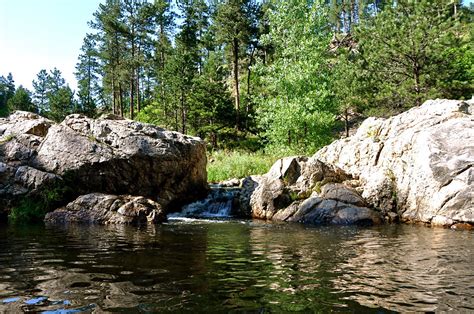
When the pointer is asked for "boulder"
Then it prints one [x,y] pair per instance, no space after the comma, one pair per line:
[342,193]
[418,164]
[108,155]
[413,167]
[106,209]
[247,187]
[303,190]
[316,210]
[270,196]
[125,157]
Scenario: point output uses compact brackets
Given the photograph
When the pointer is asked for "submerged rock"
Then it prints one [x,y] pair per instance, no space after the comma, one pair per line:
[106,209]
[108,155]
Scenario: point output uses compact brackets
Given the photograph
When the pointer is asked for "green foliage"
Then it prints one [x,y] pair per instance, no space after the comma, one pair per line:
[52,97]
[21,100]
[223,165]
[61,103]
[407,54]
[40,94]
[28,210]
[87,75]
[297,110]
[246,74]
[34,208]
[7,91]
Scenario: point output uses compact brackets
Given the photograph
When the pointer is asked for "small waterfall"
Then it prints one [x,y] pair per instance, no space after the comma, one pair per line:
[219,203]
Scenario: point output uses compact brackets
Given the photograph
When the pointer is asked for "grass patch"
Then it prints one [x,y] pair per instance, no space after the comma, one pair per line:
[223,165]
[7,138]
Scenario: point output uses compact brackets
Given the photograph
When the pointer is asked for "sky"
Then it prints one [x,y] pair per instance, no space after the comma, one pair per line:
[42,34]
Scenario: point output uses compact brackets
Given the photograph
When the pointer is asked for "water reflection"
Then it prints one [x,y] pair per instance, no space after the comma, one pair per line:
[221,266]
[407,268]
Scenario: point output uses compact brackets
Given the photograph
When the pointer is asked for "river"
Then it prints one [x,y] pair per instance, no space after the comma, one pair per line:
[191,265]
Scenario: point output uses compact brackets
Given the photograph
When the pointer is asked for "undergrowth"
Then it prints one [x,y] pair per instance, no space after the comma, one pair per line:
[223,165]
[35,207]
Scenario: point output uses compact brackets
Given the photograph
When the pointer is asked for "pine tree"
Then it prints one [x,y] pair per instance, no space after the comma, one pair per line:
[233,29]
[186,60]
[109,24]
[87,75]
[60,96]
[40,95]
[61,103]
[405,50]
[164,20]
[21,100]
[7,90]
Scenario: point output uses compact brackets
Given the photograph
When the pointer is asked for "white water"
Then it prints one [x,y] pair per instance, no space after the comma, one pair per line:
[218,204]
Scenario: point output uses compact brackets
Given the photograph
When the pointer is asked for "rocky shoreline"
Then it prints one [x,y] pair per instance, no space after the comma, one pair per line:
[413,167]
[49,165]
[416,167]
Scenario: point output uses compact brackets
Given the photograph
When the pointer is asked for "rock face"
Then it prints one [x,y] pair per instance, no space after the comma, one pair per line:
[108,209]
[108,155]
[414,167]
[298,189]
[20,136]
[418,165]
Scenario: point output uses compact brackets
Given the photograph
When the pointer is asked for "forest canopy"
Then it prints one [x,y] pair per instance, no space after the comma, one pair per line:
[285,75]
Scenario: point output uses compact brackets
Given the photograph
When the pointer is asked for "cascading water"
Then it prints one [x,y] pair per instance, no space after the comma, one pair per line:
[219,203]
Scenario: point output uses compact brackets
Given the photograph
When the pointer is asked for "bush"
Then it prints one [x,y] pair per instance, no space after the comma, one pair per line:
[4,111]
[35,207]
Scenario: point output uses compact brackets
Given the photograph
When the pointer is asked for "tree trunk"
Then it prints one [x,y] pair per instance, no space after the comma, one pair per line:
[235,53]
[114,96]
[183,114]
[346,121]
[416,75]
[131,98]
[88,83]
[137,88]
[247,105]
[353,13]
[162,68]
[176,123]
[121,99]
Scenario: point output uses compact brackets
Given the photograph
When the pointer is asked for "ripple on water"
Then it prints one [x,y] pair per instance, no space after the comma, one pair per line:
[212,265]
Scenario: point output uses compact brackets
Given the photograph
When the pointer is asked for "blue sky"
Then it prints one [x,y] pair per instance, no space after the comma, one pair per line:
[43,34]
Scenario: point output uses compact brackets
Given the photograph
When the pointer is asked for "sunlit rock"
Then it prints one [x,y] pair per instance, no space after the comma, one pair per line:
[106,209]
[55,163]
[418,164]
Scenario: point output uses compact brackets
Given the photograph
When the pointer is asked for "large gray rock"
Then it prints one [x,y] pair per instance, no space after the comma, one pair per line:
[106,209]
[418,164]
[108,155]
[125,157]
[299,189]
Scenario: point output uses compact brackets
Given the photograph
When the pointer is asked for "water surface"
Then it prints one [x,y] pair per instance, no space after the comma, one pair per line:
[221,266]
